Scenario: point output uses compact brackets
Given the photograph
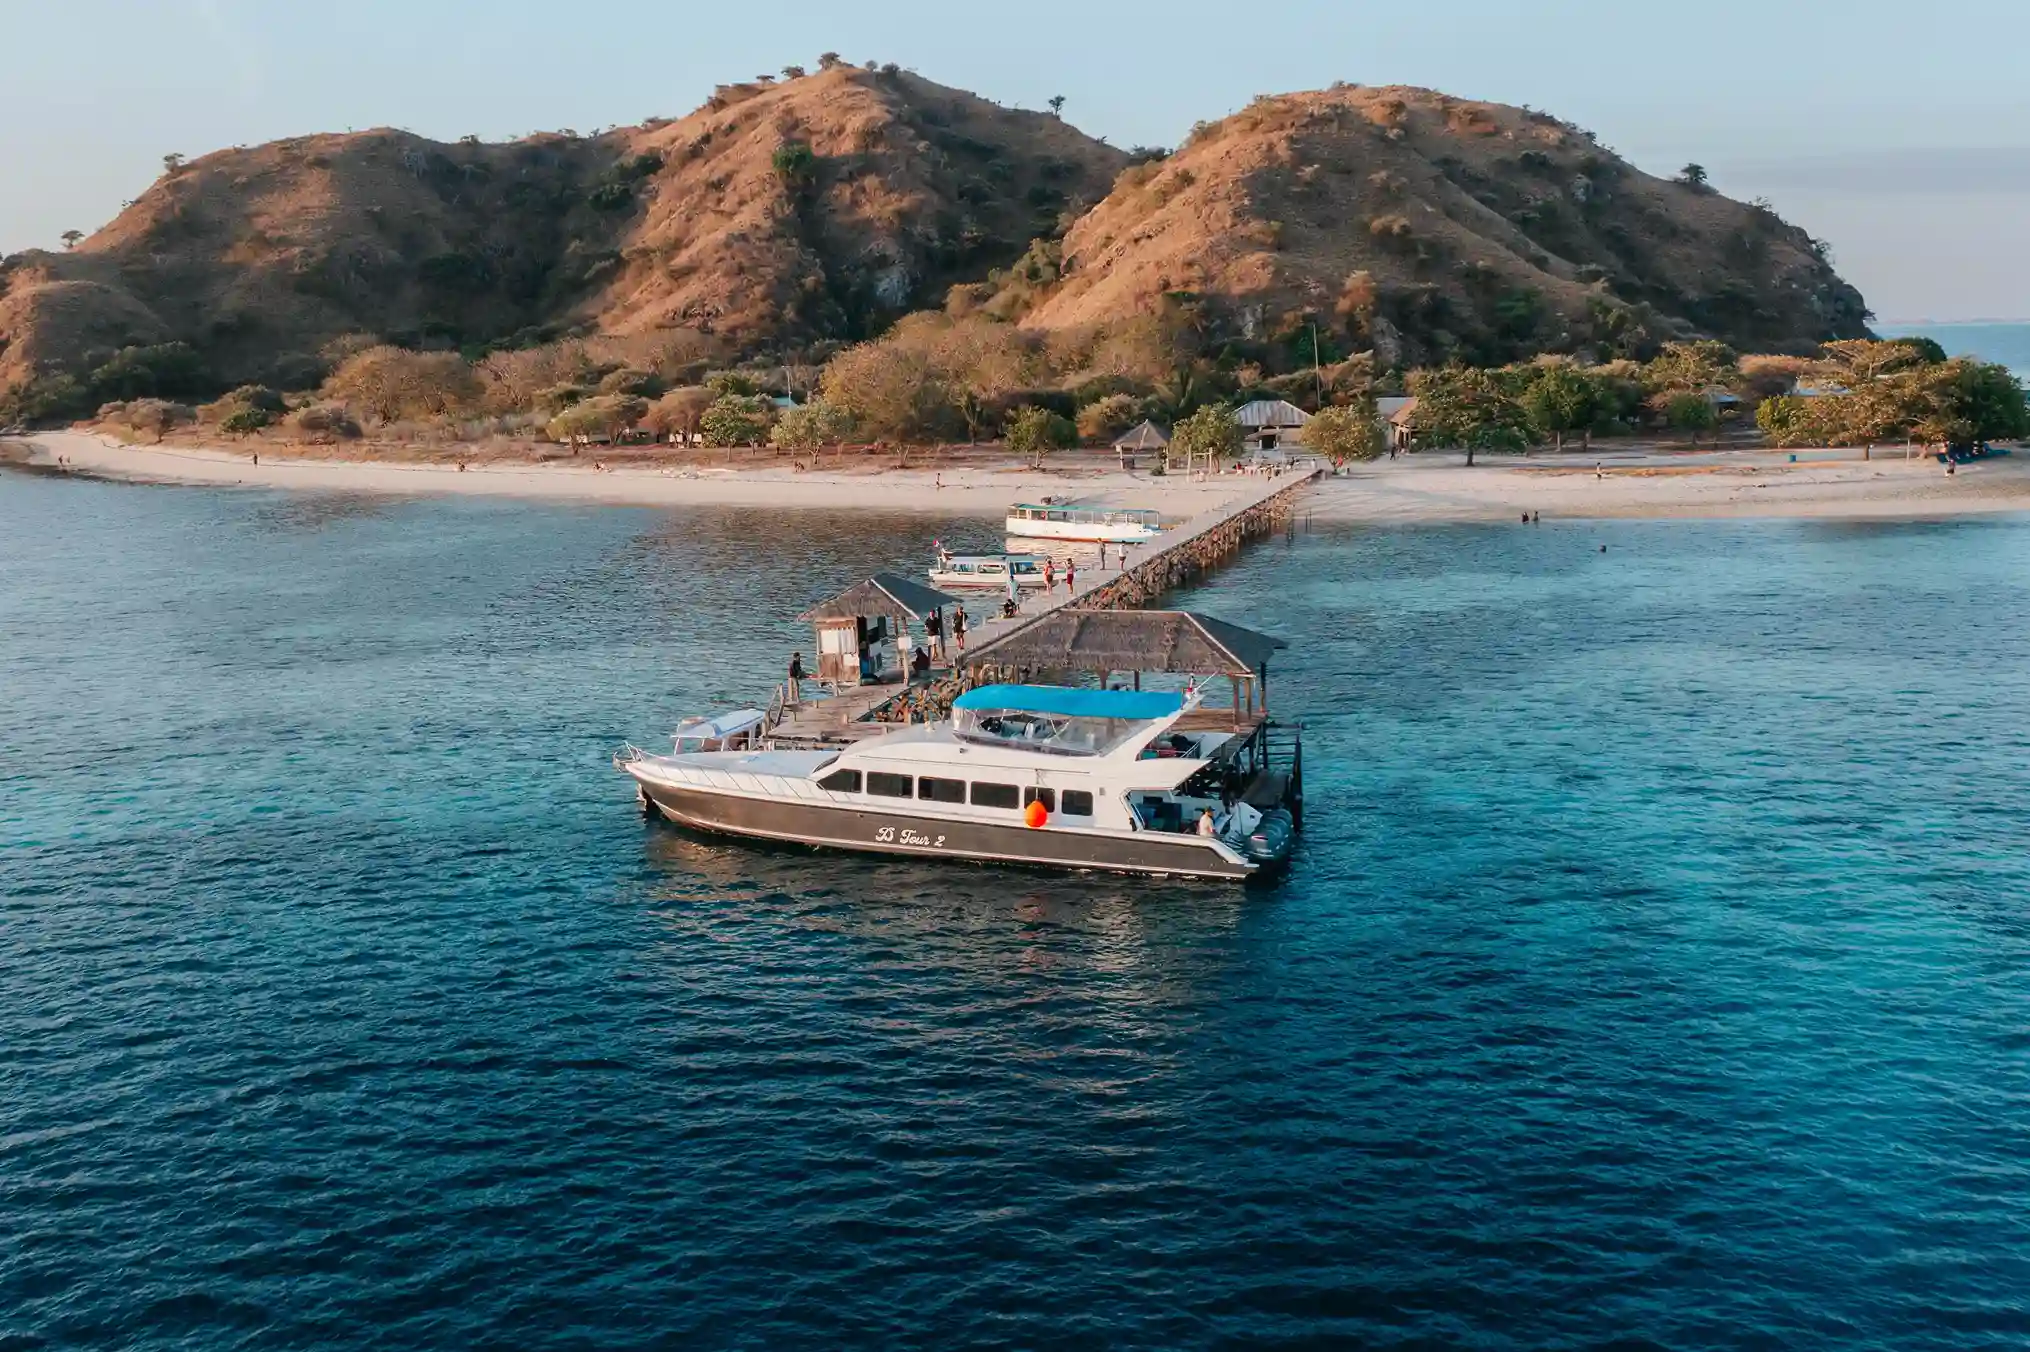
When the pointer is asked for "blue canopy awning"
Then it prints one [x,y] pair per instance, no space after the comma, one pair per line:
[1052,699]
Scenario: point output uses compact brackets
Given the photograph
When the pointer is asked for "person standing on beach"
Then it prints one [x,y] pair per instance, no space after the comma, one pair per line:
[959,627]
[795,689]
[1599,469]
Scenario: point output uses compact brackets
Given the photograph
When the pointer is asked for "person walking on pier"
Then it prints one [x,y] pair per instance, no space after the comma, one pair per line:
[794,691]
[959,627]
[934,630]
[1071,576]
[1049,576]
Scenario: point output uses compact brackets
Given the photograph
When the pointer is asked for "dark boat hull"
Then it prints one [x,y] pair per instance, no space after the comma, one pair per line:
[876,832]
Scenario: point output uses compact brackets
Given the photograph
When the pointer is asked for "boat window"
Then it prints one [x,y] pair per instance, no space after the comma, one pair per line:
[890,786]
[997,795]
[941,790]
[1047,797]
[841,781]
[1057,734]
[1078,803]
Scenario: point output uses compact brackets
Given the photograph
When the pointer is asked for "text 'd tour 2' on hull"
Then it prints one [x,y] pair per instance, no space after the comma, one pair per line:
[1037,775]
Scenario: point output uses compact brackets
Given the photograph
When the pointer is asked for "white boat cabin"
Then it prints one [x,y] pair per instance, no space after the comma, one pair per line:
[1059,521]
[1102,759]
[987,570]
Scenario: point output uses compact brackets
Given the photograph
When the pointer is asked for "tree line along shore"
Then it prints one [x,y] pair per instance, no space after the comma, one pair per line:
[940,379]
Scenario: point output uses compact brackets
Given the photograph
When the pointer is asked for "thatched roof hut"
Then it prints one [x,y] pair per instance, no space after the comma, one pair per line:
[1102,642]
[1147,438]
[882,594]
[1174,641]
[856,628]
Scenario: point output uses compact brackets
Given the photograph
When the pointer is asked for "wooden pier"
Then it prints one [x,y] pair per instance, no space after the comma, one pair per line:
[1258,508]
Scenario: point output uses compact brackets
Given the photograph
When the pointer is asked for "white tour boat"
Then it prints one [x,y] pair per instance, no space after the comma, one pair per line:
[1069,778]
[1099,525]
[987,570]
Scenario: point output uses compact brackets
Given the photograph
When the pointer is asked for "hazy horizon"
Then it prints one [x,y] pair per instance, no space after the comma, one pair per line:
[1893,142]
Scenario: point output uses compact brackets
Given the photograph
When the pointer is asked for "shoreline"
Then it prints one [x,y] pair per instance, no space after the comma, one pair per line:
[1428,488]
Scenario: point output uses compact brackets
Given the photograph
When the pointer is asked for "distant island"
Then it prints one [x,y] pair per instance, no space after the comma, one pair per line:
[854,255]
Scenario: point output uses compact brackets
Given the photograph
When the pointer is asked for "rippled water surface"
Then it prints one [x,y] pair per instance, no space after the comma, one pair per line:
[1656,969]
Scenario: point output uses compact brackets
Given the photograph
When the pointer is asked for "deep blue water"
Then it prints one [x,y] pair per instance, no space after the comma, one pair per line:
[1655,972]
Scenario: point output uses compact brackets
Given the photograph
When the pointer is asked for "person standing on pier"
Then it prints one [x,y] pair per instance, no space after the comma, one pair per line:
[1071,576]
[794,691]
[1049,576]
[934,630]
[959,627]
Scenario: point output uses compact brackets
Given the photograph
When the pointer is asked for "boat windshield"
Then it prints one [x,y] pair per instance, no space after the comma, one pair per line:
[1056,734]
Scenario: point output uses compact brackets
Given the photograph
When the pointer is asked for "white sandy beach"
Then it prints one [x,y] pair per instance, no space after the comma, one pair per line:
[1429,487]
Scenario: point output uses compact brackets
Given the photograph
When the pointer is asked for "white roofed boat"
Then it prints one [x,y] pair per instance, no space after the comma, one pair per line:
[987,570]
[1064,521]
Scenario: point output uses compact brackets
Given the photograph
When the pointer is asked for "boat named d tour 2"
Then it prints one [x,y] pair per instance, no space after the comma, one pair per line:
[1056,776]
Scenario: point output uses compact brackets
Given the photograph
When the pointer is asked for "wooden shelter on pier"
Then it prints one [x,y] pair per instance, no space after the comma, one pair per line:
[854,632]
[1104,643]
[1261,763]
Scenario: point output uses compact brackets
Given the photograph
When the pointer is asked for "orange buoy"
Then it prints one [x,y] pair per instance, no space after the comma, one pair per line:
[1036,814]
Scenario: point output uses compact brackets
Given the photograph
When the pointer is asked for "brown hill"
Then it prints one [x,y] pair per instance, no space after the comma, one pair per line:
[819,207]
[1429,227]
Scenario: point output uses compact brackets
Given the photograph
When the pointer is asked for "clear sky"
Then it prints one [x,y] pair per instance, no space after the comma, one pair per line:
[1899,132]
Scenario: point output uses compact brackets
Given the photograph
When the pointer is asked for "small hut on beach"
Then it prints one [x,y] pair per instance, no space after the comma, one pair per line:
[1147,439]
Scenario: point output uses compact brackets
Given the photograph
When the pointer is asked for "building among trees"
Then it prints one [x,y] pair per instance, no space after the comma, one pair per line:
[1266,424]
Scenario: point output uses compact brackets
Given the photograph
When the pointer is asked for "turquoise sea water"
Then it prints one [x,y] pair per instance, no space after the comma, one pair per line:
[1655,971]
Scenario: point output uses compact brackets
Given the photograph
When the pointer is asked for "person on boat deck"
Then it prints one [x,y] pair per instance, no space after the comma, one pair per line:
[1205,824]
[796,678]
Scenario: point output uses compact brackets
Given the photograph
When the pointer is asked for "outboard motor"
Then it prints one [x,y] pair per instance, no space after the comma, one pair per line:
[1272,839]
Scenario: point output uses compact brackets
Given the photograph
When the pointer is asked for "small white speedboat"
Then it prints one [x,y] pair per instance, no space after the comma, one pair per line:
[987,570]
